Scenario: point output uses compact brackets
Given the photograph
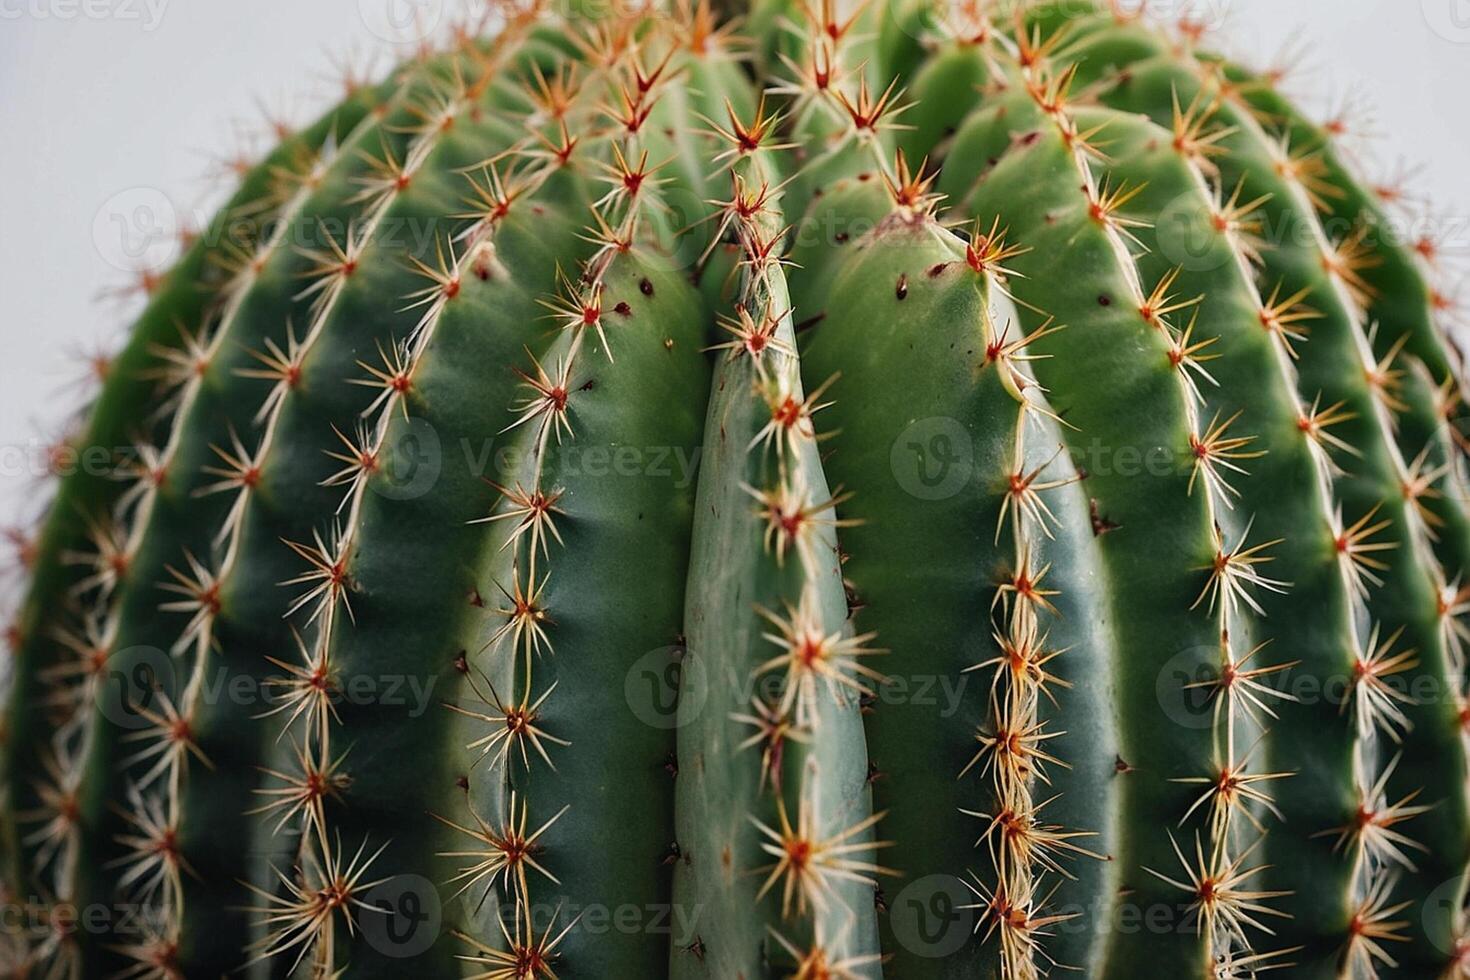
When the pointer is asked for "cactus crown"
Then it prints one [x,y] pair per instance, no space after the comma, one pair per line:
[867,489]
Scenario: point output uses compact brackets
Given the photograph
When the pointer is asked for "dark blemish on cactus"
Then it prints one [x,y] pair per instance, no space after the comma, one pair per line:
[623,309]
[1100,524]
[840,237]
[935,271]
[863,178]
[697,948]
[1029,139]
[672,854]
[880,901]
[1104,300]
[726,858]
[484,261]
[461,663]
[671,765]
[874,773]
[463,782]
[589,385]
[645,287]
[477,600]
[1121,767]
[819,192]
[902,289]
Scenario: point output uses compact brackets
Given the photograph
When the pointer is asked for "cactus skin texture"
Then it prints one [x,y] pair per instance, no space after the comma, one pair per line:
[596,504]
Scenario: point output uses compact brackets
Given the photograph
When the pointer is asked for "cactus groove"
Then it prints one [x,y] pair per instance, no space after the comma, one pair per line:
[840,491]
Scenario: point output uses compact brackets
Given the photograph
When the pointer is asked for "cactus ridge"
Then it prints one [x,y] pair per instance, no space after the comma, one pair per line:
[1064,541]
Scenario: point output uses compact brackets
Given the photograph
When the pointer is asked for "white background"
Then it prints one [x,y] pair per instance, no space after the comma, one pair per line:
[107,105]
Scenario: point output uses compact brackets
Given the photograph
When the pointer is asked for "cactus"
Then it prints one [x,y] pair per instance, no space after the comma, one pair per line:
[842,491]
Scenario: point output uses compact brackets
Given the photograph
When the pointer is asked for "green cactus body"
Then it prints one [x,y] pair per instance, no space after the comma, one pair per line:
[598,505]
